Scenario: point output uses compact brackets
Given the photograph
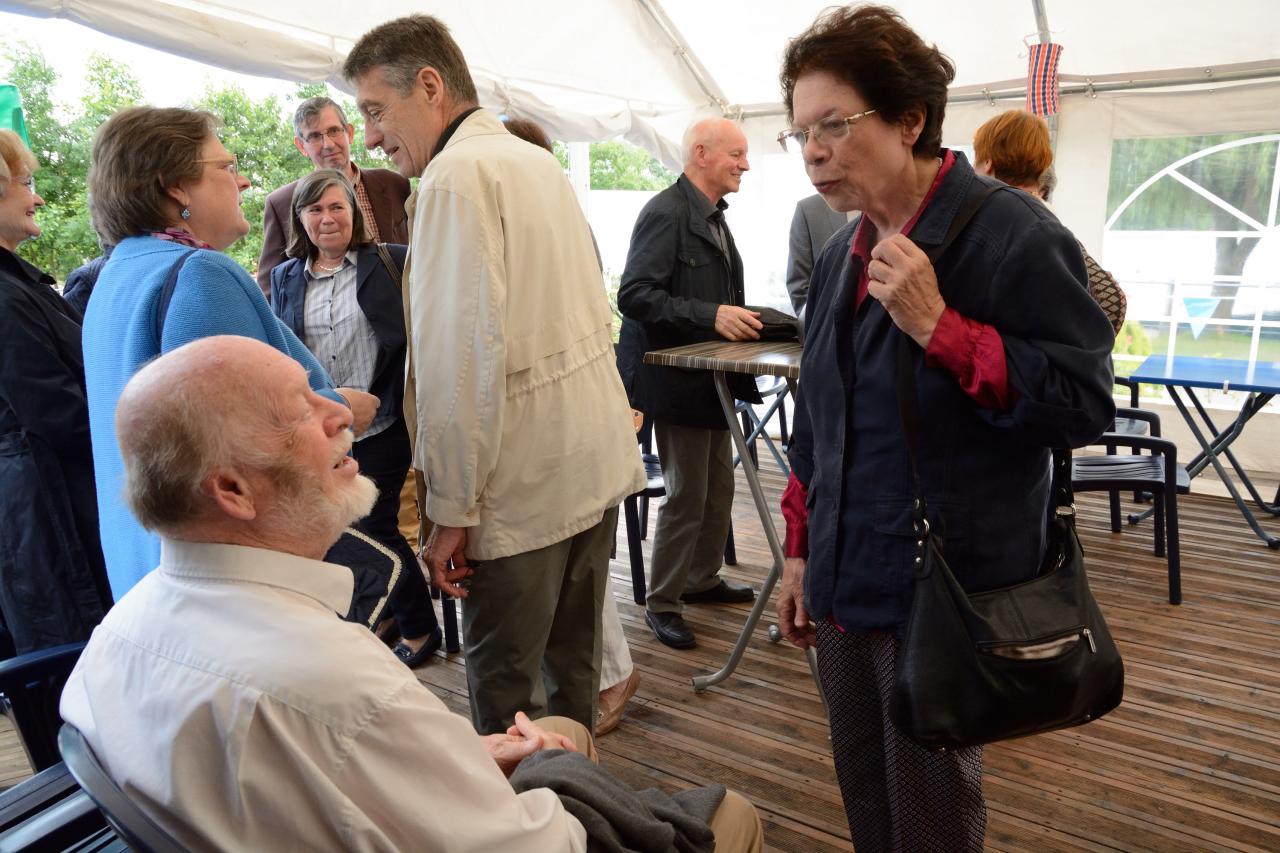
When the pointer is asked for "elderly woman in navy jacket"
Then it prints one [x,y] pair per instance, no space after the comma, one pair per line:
[342,298]
[1011,358]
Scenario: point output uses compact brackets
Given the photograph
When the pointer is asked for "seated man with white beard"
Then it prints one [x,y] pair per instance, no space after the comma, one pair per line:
[224,693]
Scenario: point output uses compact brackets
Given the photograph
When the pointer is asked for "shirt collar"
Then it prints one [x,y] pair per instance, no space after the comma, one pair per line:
[450,130]
[348,260]
[330,585]
[862,234]
[24,267]
[705,207]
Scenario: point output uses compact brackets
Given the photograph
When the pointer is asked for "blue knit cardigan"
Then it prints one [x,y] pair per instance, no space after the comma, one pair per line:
[213,296]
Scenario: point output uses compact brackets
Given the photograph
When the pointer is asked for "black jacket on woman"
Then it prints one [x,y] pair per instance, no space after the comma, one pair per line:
[53,580]
[985,473]
[379,298]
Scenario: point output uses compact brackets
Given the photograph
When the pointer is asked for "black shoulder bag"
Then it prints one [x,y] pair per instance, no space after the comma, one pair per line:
[1009,662]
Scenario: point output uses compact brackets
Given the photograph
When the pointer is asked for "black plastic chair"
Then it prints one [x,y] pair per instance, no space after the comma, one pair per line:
[129,821]
[654,488]
[31,685]
[635,510]
[1157,472]
[49,811]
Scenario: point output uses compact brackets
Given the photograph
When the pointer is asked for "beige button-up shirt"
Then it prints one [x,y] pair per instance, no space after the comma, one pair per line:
[227,698]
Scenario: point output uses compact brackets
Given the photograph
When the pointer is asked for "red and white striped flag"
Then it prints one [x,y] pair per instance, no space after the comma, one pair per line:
[1042,79]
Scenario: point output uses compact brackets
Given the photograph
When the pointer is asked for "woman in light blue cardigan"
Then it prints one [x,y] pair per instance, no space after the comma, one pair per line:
[166,192]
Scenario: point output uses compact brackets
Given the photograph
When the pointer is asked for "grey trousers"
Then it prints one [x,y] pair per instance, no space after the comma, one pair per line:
[693,521]
[531,631]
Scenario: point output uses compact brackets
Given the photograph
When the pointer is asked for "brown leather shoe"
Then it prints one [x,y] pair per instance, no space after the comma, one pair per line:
[608,718]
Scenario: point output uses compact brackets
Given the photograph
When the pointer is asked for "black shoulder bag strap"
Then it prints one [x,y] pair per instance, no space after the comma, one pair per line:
[389,263]
[166,293]
[908,403]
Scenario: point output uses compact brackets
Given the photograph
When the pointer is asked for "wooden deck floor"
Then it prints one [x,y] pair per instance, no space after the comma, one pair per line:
[1190,761]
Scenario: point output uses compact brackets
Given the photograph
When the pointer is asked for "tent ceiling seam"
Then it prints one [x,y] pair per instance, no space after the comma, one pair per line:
[690,60]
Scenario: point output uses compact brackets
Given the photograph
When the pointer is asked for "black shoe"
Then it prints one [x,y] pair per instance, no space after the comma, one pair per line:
[671,629]
[725,592]
[413,659]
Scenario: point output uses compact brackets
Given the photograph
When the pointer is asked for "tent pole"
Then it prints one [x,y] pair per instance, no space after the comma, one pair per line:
[699,71]
[1042,27]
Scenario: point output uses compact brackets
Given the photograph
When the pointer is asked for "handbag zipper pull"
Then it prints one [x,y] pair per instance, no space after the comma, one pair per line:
[1088,635]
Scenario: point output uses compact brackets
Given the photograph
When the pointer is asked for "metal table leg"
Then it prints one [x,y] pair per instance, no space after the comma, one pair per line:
[702,682]
[1220,444]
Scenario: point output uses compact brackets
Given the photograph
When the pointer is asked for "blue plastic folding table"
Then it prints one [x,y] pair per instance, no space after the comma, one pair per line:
[1260,379]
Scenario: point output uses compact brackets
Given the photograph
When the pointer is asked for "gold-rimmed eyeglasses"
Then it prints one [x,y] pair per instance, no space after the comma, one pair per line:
[232,165]
[829,129]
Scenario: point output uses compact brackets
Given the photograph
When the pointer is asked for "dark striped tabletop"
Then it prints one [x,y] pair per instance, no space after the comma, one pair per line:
[757,358]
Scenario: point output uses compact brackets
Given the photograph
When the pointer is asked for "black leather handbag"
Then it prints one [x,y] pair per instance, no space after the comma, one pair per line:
[1009,662]
[1004,663]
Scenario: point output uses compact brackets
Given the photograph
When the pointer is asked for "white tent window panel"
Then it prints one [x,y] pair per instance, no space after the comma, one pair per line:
[1196,245]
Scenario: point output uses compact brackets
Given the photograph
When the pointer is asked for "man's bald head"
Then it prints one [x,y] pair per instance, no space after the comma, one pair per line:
[183,415]
[715,156]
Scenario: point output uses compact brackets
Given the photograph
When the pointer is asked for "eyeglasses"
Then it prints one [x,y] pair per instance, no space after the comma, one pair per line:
[232,165]
[28,182]
[334,133]
[829,129]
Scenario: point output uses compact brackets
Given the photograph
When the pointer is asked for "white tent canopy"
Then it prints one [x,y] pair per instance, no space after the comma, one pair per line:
[643,69]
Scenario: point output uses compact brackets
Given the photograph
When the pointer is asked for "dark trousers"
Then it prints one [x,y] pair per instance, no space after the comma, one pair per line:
[693,521]
[897,794]
[531,630]
[384,458]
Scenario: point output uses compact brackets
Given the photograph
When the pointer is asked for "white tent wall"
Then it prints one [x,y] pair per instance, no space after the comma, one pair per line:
[642,70]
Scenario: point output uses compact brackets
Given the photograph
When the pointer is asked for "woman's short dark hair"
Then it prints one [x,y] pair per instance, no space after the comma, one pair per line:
[308,192]
[138,154]
[872,49]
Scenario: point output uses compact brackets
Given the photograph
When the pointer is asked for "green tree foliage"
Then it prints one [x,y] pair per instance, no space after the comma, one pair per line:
[618,165]
[259,132]
[62,139]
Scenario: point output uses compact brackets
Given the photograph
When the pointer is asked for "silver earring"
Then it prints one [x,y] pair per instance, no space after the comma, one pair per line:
[186,213]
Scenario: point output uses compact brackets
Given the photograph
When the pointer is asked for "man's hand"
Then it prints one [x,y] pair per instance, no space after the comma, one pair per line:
[793,619]
[445,544]
[363,406]
[522,740]
[738,324]
[901,277]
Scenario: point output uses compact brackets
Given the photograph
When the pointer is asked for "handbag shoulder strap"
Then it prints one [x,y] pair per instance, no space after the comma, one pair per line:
[389,263]
[166,293]
[908,406]
[908,403]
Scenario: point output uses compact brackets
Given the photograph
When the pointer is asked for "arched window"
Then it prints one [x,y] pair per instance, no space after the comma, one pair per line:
[1192,236]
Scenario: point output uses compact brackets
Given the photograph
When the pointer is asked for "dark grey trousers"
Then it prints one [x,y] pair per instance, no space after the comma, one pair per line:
[531,631]
[693,521]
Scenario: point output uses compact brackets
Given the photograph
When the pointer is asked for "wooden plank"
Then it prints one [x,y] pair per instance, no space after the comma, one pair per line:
[1191,760]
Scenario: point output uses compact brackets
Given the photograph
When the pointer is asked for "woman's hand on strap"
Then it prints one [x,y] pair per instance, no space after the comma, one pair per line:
[902,279]
[793,619]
